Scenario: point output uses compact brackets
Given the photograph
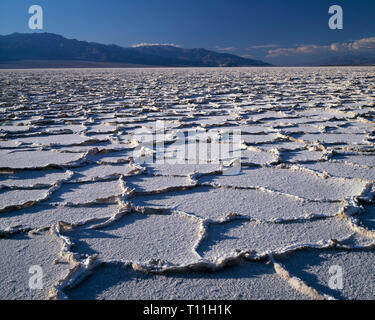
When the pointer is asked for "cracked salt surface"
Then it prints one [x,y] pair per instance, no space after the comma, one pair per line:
[259,236]
[138,237]
[45,215]
[219,202]
[33,179]
[86,193]
[292,182]
[35,159]
[102,226]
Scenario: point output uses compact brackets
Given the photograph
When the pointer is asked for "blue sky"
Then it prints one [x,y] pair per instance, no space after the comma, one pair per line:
[277,31]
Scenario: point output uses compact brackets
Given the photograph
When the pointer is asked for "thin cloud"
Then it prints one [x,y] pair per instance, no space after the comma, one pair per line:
[358,46]
[225,48]
[145,44]
[304,49]
[264,46]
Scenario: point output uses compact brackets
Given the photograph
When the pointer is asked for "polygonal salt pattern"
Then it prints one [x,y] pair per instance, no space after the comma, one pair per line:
[148,217]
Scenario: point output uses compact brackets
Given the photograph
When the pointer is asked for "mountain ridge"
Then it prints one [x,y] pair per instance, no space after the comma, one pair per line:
[45,48]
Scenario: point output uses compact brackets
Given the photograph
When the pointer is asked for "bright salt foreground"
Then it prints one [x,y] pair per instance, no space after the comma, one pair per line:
[75,201]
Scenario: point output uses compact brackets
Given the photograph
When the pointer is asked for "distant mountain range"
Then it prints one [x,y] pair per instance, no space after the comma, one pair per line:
[52,50]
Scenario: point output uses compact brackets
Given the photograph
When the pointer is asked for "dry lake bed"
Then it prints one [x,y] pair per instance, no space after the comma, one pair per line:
[189,183]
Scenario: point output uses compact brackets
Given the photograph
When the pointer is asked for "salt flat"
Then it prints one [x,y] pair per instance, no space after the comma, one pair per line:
[123,183]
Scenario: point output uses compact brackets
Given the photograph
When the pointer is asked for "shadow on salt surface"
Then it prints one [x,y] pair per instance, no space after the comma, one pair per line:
[94,171]
[301,156]
[352,157]
[282,145]
[334,139]
[312,266]
[113,157]
[293,182]
[147,183]
[244,202]
[88,192]
[247,280]
[52,140]
[257,157]
[180,169]
[339,169]
[33,178]
[218,233]
[225,239]
[368,217]
[45,215]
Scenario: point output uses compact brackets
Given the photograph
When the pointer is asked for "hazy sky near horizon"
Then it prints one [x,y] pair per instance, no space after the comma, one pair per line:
[276,31]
